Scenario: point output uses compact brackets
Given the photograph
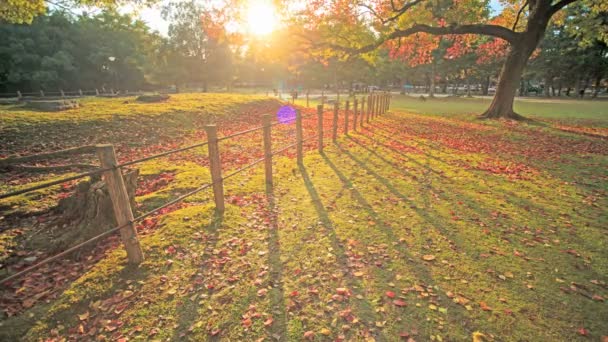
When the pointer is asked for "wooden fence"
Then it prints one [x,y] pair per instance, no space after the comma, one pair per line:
[377,104]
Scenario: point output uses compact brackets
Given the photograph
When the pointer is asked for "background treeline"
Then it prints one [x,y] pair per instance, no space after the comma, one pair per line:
[66,51]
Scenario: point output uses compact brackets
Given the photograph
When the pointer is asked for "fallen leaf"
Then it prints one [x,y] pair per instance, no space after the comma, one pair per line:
[428,257]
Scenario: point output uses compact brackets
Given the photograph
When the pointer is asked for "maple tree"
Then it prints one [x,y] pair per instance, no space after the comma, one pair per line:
[345,28]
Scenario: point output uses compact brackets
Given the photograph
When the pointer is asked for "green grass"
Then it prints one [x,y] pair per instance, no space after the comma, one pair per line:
[569,110]
[478,227]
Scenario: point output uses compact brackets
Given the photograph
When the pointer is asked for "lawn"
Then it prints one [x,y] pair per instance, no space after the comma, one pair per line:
[570,110]
[429,227]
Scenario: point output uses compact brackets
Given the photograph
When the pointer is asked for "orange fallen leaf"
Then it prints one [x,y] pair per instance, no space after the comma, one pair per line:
[428,257]
[484,306]
[390,294]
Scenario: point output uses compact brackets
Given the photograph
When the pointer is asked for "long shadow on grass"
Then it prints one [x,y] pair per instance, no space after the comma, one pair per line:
[509,196]
[188,309]
[277,294]
[421,270]
[548,299]
[364,307]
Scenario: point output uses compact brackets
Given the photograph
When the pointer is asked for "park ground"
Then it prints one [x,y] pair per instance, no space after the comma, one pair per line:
[427,224]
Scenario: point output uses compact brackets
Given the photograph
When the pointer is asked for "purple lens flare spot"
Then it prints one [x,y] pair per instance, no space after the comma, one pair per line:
[286,114]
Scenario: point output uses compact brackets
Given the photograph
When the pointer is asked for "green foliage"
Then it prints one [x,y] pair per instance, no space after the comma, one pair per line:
[60,51]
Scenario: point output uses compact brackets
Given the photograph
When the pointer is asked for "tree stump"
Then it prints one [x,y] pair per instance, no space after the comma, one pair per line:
[153,98]
[52,105]
[86,213]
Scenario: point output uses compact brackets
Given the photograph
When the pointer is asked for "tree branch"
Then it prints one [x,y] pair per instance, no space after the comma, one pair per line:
[519,14]
[397,12]
[483,29]
[558,6]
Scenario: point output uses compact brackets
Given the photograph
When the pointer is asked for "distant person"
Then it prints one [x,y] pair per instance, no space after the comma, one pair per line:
[581,93]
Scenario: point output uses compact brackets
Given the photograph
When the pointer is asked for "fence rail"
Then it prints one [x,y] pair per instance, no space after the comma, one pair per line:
[111,171]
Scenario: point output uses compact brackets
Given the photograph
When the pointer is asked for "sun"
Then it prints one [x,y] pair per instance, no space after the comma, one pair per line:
[261,17]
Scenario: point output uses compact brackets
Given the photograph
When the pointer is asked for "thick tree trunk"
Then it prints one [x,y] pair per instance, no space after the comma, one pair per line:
[513,68]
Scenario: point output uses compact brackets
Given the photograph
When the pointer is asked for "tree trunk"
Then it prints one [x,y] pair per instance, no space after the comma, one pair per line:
[485,86]
[432,89]
[596,90]
[547,88]
[513,68]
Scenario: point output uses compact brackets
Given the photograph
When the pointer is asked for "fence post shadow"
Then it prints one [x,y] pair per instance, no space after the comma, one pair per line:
[277,294]
[363,306]
[420,271]
[188,309]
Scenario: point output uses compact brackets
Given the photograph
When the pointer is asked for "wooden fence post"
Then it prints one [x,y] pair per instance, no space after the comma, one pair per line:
[355,109]
[299,147]
[41,93]
[385,103]
[120,203]
[267,152]
[215,166]
[320,127]
[369,108]
[334,134]
[362,116]
[346,109]
[375,107]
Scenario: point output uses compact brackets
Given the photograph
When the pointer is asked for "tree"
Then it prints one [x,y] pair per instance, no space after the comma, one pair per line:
[62,51]
[24,11]
[397,20]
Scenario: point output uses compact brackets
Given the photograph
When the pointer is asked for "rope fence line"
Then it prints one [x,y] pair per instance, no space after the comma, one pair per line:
[120,200]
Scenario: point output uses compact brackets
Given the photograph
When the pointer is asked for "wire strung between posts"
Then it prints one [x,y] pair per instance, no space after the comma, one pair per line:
[178,199]
[67,251]
[283,149]
[49,184]
[243,168]
[97,171]
[240,133]
[104,234]
[136,161]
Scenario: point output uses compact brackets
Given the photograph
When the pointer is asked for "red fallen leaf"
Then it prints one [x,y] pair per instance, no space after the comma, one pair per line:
[342,291]
[390,294]
[582,331]
[309,335]
[262,292]
[268,322]
[399,303]
[294,294]
[484,306]
[598,298]
[246,322]
[170,250]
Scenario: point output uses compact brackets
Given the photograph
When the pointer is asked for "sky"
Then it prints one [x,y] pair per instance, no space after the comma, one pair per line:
[152,17]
